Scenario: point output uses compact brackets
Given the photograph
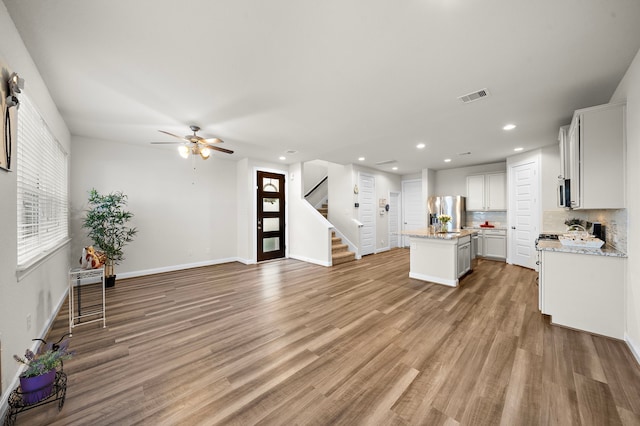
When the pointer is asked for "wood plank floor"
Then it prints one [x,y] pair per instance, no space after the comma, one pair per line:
[287,343]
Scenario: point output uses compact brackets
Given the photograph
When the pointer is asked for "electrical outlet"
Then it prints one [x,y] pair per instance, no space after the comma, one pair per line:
[29,322]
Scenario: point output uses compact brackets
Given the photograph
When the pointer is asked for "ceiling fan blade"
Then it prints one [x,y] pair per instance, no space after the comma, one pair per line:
[167,143]
[213,140]
[217,148]
[175,136]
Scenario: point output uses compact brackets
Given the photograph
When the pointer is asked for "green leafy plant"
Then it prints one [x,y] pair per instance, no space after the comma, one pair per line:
[50,357]
[107,224]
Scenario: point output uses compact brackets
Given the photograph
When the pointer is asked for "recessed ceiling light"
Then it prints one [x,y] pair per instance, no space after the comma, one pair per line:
[420,146]
[447,160]
[518,149]
[282,157]
[394,168]
[361,159]
[509,127]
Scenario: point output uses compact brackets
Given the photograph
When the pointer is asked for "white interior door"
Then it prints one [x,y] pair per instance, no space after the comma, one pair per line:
[367,214]
[524,218]
[414,210]
[394,219]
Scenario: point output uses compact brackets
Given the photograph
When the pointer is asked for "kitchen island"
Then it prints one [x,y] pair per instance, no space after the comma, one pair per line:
[442,258]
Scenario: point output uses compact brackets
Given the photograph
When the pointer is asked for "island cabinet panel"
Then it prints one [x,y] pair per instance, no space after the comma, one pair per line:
[585,292]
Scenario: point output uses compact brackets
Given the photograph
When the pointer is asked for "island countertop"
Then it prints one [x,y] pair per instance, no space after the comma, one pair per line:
[427,233]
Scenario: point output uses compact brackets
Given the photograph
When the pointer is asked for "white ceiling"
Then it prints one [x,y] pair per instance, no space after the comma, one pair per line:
[332,80]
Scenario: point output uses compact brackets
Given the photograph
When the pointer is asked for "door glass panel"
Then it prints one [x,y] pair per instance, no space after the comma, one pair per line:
[270,205]
[270,185]
[271,224]
[270,244]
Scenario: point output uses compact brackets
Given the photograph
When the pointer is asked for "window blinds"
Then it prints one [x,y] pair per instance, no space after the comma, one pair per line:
[42,185]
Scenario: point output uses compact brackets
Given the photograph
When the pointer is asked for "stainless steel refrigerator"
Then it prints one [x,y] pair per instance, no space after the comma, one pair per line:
[454,206]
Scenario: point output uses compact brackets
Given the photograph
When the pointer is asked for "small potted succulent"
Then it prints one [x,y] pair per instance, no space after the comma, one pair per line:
[36,381]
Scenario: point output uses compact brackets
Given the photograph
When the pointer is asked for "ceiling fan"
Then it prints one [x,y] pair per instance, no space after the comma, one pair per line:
[195,145]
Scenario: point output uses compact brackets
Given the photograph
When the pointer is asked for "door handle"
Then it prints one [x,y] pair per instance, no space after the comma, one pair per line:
[513,227]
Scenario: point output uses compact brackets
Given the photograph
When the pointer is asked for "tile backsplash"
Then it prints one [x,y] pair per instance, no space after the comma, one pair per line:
[615,222]
[498,219]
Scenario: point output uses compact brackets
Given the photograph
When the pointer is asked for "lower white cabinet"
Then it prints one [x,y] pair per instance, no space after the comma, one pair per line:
[582,291]
[464,256]
[492,244]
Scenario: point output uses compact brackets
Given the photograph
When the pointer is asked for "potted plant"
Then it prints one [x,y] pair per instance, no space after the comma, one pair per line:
[36,382]
[106,221]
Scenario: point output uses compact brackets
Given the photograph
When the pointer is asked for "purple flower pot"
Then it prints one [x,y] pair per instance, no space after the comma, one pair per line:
[35,389]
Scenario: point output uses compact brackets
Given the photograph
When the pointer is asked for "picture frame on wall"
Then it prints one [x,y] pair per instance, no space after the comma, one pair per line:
[8,123]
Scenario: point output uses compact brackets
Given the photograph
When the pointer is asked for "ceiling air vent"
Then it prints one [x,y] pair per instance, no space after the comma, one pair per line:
[470,97]
[384,163]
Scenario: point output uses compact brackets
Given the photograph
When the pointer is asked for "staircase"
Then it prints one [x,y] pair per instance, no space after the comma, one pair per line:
[324,211]
[339,251]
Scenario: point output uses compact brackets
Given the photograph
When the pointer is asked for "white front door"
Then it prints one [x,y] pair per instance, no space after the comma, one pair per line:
[414,207]
[394,219]
[367,214]
[524,218]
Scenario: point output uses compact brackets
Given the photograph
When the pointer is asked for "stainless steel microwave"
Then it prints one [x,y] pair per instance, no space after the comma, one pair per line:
[564,193]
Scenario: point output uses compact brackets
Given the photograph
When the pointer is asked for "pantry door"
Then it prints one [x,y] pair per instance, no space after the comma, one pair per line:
[270,214]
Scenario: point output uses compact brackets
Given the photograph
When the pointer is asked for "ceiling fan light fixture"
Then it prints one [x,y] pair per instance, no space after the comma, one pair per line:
[184,151]
[205,153]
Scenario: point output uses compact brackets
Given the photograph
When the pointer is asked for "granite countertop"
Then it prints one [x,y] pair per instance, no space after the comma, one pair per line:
[606,250]
[427,233]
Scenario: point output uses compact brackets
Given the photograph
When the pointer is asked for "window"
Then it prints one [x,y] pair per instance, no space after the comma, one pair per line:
[43,207]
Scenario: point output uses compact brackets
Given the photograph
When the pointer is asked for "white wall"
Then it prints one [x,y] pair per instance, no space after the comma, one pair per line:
[313,172]
[342,199]
[184,209]
[629,90]
[454,181]
[43,288]
[549,171]
[385,184]
[309,232]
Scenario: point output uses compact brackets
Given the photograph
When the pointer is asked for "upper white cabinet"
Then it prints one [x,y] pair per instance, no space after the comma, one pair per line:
[487,192]
[596,157]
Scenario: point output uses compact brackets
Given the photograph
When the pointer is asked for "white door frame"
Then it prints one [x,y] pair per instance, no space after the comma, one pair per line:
[398,217]
[405,240]
[512,210]
[373,208]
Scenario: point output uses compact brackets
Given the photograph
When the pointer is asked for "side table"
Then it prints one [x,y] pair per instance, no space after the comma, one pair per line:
[96,308]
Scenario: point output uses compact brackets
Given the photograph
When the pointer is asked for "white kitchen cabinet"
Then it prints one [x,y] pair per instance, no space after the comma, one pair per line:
[596,157]
[464,256]
[582,291]
[494,244]
[565,156]
[487,192]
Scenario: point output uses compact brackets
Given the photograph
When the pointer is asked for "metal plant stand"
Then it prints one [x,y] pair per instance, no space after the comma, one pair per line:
[94,309]
[17,404]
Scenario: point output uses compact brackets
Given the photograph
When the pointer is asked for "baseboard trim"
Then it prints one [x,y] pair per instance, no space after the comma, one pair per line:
[633,347]
[437,280]
[383,249]
[310,260]
[173,268]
